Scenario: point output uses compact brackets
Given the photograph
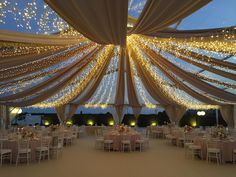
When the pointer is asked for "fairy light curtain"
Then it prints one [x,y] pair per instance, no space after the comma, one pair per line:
[65,71]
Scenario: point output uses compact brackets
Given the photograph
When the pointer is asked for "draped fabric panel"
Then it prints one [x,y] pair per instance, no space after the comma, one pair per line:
[72,110]
[190,78]
[208,68]
[11,36]
[120,87]
[148,82]
[120,113]
[132,93]
[56,78]
[102,21]
[227,112]
[10,74]
[206,33]
[95,83]
[214,61]
[61,113]
[180,84]
[22,59]
[175,113]
[159,14]
[50,91]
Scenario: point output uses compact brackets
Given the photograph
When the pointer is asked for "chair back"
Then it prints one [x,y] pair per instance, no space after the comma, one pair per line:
[212,144]
[23,144]
[45,142]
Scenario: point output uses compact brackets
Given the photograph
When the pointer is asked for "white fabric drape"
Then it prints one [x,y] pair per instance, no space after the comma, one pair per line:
[159,14]
[175,113]
[72,108]
[227,112]
[102,21]
[12,36]
[61,113]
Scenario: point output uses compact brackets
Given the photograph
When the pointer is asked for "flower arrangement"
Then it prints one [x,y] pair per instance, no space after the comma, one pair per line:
[219,132]
[54,127]
[122,128]
[26,134]
[187,129]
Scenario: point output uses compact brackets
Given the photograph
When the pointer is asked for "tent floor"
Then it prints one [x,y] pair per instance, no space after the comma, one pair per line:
[84,161]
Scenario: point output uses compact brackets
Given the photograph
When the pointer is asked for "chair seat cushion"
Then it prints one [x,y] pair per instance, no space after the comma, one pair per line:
[140,141]
[125,141]
[195,147]
[108,141]
[24,150]
[213,150]
[42,149]
[234,151]
[5,151]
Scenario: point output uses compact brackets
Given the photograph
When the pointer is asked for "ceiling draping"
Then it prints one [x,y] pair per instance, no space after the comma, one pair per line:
[101,65]
[159,14]
[102,21]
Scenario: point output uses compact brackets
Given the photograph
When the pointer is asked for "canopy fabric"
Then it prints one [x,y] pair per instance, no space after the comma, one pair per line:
[175,113]
[12,36]
[159,14]
[227,113]
[61,112]
[102,21]
[151,66]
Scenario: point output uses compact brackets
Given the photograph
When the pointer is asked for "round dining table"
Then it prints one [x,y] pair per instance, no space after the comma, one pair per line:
[117,138]
[225,145]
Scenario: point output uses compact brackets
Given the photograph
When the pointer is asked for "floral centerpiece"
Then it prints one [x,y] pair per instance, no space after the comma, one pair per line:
[122,128]
[219,132]
[187,129]
[54,127]
[26,134]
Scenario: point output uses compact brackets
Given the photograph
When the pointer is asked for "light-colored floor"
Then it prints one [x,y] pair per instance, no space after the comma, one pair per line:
[82,160]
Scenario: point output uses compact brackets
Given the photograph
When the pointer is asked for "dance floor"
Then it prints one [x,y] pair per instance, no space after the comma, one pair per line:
[160,160]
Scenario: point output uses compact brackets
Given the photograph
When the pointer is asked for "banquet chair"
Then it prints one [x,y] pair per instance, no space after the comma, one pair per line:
[68,138]
[57,145]
[44,149]
[99,143]
[195,150]
[140,144]
[213,152]
[126,143]
[23,151]
[108,144]
[234,156]
[98,132]
[4,153]
[187,142]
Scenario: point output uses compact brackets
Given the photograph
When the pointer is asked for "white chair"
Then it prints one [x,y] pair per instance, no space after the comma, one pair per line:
[23,151]
[68,138]
[126,144]
[108,145]
[57,146]
[99,143]
[213,152]
[98,132]
[140,144]
[44,149]
[195,150]
[187,142]
[4,153]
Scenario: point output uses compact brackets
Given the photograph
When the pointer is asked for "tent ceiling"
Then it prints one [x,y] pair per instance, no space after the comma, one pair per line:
[147,65]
